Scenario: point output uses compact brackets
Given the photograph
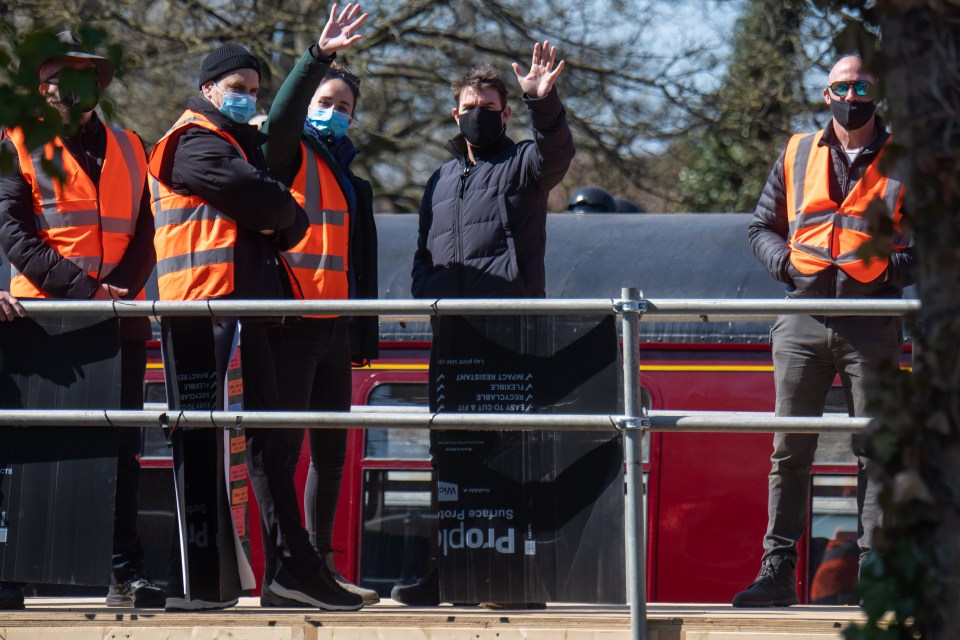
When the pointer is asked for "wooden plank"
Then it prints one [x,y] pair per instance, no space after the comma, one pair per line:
[88,619]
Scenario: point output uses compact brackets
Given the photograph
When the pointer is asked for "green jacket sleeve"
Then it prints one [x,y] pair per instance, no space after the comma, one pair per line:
[284,124]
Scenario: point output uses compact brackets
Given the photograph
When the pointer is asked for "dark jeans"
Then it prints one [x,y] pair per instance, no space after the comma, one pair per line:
[314,373]
[808,353]
[127,547]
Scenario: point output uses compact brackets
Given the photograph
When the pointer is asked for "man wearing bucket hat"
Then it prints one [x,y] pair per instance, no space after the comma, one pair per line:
[89,236]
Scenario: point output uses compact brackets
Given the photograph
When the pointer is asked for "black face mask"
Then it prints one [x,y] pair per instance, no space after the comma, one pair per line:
[88,103]
[852,115]
[482,127]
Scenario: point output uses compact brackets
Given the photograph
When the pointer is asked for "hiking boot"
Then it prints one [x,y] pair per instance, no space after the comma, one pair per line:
[142,593]
[317,589]
[11,596]
[425,593]
[775,586]
[369,596]
[269,599]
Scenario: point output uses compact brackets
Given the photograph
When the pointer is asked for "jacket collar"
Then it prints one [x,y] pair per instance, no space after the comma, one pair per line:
[829,137]
[244,133]
[457,147]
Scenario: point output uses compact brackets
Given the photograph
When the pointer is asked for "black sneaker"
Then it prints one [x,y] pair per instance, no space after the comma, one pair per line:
[142,593]
[269,599]
[775,586]
[317,589]
[425,593]
[11,596]
[369,596]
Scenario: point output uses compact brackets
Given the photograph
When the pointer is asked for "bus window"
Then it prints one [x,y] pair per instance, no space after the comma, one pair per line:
[155,392]
[834,554]
[397,523]
[398,444]
[835,448]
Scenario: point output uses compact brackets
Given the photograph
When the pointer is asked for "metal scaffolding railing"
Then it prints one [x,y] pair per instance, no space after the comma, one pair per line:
[633,423]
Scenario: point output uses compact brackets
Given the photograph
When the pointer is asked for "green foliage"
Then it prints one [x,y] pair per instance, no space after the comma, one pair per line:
[21,105]
[727,159]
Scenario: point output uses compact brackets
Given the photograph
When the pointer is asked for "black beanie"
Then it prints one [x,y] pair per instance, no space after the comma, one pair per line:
[226,58]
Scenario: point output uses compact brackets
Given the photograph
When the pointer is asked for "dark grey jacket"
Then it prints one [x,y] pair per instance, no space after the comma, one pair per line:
[769,231]
[483,227]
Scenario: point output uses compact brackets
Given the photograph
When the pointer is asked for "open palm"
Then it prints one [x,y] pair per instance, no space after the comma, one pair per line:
[338,33]
[538,82]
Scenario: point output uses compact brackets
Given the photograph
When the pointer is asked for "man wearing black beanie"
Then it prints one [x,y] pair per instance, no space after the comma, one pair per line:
[221,222]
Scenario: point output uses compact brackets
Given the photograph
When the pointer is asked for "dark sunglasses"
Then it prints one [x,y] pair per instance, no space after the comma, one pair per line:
[860,87]
[351,80]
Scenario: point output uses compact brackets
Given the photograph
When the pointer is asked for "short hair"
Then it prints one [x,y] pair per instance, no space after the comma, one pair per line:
[480,76]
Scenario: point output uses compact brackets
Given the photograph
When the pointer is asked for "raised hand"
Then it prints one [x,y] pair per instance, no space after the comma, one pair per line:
[539,80]
[338,33]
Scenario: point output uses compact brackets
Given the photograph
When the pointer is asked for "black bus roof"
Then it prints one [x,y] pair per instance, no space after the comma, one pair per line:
[678,255]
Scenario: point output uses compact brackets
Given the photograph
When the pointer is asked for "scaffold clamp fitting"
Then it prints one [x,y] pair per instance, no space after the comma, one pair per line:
[628,423]
[630,306]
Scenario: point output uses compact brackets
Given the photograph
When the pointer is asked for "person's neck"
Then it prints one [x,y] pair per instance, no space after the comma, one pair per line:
[857,138]
[470,156]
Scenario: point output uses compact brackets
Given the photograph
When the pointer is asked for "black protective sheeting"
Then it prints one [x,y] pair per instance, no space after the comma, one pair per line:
[527,516]
[201,368]
[57,485]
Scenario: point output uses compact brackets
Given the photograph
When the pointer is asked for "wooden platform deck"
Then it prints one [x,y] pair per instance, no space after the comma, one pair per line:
[88,619]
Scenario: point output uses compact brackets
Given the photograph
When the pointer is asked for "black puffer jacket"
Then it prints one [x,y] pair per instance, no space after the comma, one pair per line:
[207,165]
[483,227]
[769,231]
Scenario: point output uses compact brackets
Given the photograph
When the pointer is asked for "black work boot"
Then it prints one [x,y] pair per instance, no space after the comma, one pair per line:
[775,586]
[11,596]
[425,593]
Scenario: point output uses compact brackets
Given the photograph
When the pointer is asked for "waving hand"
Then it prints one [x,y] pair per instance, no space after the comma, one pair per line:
[338,33]
[539,80]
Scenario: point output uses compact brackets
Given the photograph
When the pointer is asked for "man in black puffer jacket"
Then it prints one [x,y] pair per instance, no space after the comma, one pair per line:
[483,214]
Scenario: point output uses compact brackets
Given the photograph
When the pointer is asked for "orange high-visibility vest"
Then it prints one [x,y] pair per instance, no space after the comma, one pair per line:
[90,227]
[317,265]
[194,241]
[823,232]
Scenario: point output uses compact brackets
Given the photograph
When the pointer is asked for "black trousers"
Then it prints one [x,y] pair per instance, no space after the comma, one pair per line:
[272,454]
[312,358]
[127,547]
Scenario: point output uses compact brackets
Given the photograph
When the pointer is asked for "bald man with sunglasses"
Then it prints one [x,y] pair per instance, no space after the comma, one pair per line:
[807,231]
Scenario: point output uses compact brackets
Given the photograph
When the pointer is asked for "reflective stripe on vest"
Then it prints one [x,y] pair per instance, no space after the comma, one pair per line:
[823,233]
[317,265]
[90,227]
[194,241]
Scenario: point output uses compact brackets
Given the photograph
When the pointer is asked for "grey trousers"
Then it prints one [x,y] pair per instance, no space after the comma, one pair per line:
[808,353]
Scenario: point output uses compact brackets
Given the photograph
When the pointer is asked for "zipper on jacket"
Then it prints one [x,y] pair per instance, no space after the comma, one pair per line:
[458,255]
[96,185]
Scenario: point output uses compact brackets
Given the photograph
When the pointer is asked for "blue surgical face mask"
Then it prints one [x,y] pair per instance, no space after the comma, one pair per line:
[329,121]
[239,107]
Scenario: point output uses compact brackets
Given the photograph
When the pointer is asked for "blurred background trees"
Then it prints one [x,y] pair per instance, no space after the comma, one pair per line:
[672,105]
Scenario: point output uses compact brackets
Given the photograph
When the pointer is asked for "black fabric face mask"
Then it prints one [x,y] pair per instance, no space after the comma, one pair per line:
[852,115]
[482,127]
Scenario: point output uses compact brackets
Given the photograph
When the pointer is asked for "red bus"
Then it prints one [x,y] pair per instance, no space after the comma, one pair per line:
[706,493]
